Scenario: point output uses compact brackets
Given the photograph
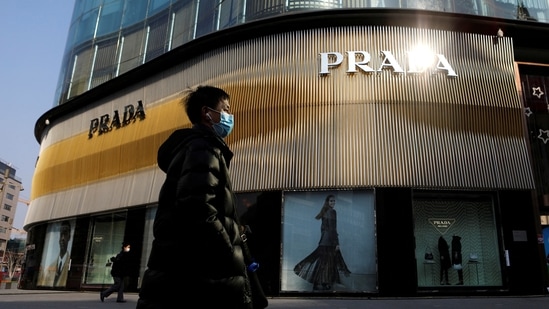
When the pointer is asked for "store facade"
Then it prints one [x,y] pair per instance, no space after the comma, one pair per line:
[420,132]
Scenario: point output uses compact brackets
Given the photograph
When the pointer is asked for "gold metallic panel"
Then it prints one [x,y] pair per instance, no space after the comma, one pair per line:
[79,160]
[301,130]
[298,129]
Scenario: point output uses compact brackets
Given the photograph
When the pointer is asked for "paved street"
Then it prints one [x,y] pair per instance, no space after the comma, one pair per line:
[20,299]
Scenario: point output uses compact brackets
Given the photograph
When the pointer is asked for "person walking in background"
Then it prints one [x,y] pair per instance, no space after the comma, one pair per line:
[197,214]
[456,257]
[445,262]
[119,270]
[322,266]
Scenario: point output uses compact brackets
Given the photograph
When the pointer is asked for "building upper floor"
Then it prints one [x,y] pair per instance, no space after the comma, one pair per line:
[110,37]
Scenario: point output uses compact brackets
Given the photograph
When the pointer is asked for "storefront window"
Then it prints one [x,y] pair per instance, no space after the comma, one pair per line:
[147,240]
[56,257]
[107,238]
[456,240]
[329,242]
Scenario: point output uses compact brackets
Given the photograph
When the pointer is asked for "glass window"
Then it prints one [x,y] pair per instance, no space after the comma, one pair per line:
[81,7]
[157,37]
[104,67]
[131,51]
[456,240]
[206,19]
[9,196]
[134,12]
[465,6]
[157,5]
[260,9]
[183,31]
[503,9]
[81,72]
[313,4]
[147,240]
[229,13]
[435,5]
[56,257]
[85,29]
[107,238]
[7,207]
[329,242]
[111,18]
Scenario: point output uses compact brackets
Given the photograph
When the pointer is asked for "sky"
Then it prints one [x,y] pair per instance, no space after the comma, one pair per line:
[33,34]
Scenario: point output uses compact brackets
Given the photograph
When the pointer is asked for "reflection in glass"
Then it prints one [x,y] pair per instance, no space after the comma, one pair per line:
[107,237]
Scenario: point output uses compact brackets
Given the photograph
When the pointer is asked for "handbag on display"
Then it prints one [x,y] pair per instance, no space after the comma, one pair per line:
[473,257]
[457,266]
[428,254]
[429,258]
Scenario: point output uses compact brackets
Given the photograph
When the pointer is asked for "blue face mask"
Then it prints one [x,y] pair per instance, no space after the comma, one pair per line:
[225,125]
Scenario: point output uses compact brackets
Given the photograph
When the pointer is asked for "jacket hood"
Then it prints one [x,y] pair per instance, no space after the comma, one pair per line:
[171,146]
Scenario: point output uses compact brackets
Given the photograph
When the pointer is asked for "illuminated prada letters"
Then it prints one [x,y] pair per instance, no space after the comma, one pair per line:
[419,61]
[105,124]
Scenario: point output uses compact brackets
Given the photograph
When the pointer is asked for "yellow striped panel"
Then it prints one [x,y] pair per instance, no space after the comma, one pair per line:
[78,160]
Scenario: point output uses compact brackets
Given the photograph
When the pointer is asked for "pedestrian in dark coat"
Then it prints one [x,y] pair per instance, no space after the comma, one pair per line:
[119,270]
[197,216]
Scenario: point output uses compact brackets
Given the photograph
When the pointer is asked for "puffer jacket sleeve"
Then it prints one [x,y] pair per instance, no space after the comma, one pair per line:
[204,194]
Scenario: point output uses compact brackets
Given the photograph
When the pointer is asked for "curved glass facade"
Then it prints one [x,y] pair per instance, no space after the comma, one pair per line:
[110,37]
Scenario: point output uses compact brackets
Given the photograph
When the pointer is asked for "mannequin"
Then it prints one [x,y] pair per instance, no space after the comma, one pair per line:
[456,256]
[445,262]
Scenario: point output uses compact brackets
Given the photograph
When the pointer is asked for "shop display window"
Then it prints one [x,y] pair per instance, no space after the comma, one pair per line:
[56,257]
[460,233]
[331,251]
[107,238]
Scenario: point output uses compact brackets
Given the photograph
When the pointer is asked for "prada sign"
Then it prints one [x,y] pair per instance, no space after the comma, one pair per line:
[105,123]
[418,62]
[442,225]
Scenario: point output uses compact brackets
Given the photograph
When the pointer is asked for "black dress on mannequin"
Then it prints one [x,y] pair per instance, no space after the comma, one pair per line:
[445,262]
[456,256]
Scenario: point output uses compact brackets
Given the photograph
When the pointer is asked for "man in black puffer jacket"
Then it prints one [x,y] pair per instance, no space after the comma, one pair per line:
[197,216]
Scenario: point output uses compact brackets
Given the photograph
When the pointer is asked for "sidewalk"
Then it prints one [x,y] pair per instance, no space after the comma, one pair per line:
[39,299]
[8,285]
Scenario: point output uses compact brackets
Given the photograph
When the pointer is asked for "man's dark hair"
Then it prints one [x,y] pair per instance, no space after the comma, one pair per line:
[202,96]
